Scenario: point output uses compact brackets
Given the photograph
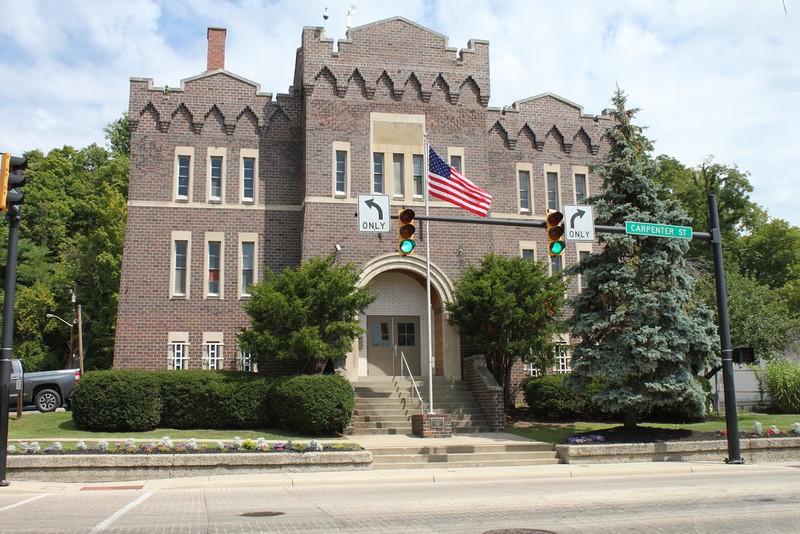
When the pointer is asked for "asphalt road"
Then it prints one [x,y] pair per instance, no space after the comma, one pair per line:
[641,498]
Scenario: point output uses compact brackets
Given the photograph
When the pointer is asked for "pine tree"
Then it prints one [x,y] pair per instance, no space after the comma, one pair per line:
[640,331]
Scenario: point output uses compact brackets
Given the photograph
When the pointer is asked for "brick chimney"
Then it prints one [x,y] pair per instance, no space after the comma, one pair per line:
[216,48]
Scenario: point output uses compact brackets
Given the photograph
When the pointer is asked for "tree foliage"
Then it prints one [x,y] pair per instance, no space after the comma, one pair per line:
[71,239]
[639,329]
[307,315]
[508,309]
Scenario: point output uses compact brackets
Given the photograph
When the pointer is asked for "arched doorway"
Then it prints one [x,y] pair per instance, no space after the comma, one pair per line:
[397,322]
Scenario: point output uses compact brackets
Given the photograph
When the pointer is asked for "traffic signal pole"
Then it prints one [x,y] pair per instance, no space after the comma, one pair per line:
[14,216]
[714,238]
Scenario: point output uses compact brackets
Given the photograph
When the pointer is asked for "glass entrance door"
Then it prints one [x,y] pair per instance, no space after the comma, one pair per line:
[388,337]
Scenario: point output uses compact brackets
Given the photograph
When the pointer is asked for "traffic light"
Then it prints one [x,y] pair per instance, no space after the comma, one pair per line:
[555,233]
[11,180]
[405,232]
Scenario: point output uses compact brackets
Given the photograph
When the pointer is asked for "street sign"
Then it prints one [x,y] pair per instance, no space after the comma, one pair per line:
[373,213]
[658,230]
[578,223]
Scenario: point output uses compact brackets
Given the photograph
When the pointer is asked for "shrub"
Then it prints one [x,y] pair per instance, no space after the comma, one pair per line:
[116,400]
[782,378]
[314,404]
[549,397]
[683,410]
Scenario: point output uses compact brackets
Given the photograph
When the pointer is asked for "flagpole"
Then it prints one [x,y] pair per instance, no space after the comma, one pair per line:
[428,281]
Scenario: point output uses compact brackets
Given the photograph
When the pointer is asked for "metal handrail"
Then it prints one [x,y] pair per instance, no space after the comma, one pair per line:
[411,376]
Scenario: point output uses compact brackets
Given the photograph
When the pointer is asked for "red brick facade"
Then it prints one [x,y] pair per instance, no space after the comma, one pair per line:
[387,83]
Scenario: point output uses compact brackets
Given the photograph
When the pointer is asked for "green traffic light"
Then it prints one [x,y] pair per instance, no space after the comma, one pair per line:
[557,247]
[407,245]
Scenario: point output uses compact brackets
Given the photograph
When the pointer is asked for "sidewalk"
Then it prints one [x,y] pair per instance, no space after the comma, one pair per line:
[414,476]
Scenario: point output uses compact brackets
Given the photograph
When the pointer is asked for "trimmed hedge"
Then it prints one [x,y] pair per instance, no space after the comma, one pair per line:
[548,397]
[315,404]
[128,400]
[116,401]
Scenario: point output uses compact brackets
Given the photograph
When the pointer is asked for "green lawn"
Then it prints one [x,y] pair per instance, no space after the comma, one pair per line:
[557,432]
[59,426]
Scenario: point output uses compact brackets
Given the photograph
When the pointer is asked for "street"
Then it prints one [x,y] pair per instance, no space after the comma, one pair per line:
[646,498]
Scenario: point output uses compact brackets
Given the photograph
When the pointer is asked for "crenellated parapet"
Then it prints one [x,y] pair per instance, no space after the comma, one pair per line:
[408,60]
[548,118]
[217,97]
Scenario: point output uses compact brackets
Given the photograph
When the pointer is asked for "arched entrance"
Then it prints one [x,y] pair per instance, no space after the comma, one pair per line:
[397,322]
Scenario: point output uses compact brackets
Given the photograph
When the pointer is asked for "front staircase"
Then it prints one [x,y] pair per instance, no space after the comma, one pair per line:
[384,405]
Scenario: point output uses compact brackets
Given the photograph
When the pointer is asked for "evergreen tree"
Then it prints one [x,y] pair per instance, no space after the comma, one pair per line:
[639,329]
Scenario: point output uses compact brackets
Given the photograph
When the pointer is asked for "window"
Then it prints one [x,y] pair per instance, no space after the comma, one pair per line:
[377,173]
[583,256]
[531,370]
[405,335]
[184,167]
[524,191]
[398,175]
[178,350]
[244,361]
[341,172]
[552,191]
[215,178]
[179,265]
[528,255]
[248,179]
[248,267]
[562,358]
[556,264]
[580,188]
[455,162]
[419,177]
[181,250]
[212,355]
[214,270]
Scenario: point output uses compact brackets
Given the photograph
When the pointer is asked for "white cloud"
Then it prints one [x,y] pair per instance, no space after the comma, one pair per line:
[717,77]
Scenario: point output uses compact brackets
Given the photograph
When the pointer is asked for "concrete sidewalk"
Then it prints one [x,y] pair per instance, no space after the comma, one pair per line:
[414,476]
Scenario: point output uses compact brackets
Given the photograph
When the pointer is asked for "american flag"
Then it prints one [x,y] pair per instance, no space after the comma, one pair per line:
[446,183]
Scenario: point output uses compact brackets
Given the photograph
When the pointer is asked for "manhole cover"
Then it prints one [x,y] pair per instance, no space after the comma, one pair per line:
[519,531]
[260,514]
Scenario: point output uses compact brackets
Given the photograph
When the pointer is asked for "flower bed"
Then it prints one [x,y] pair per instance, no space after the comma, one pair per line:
[132,460]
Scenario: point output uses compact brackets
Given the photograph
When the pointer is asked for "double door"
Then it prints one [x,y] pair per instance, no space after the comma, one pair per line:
[387,337]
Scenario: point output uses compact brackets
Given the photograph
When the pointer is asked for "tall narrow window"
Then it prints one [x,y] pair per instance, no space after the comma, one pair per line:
[184,166]
[556,264]
[398,177]
[562,358]
[552,191]
[248,179]
[419,178]
[455,161]
[580,188]
[377,173]
[215,179]
[525,191]
[214,251]
[179,278]
[341,172]
[583,256]
[248,266]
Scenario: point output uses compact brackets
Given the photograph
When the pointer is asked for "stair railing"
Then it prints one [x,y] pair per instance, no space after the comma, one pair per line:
[404,366]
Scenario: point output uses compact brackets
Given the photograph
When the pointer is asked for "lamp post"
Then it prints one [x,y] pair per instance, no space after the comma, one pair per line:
[75,323]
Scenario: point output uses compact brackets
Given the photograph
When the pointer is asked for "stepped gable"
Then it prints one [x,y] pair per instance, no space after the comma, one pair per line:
[227,98]
[548,117]
[398,53]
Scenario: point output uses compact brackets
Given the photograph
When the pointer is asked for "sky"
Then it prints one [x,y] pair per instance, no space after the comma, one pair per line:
[712,79]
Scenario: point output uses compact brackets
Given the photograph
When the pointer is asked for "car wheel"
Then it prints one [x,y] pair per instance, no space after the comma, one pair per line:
[47,400]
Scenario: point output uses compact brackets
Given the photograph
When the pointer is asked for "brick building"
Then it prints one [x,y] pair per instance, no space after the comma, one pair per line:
[226,179]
